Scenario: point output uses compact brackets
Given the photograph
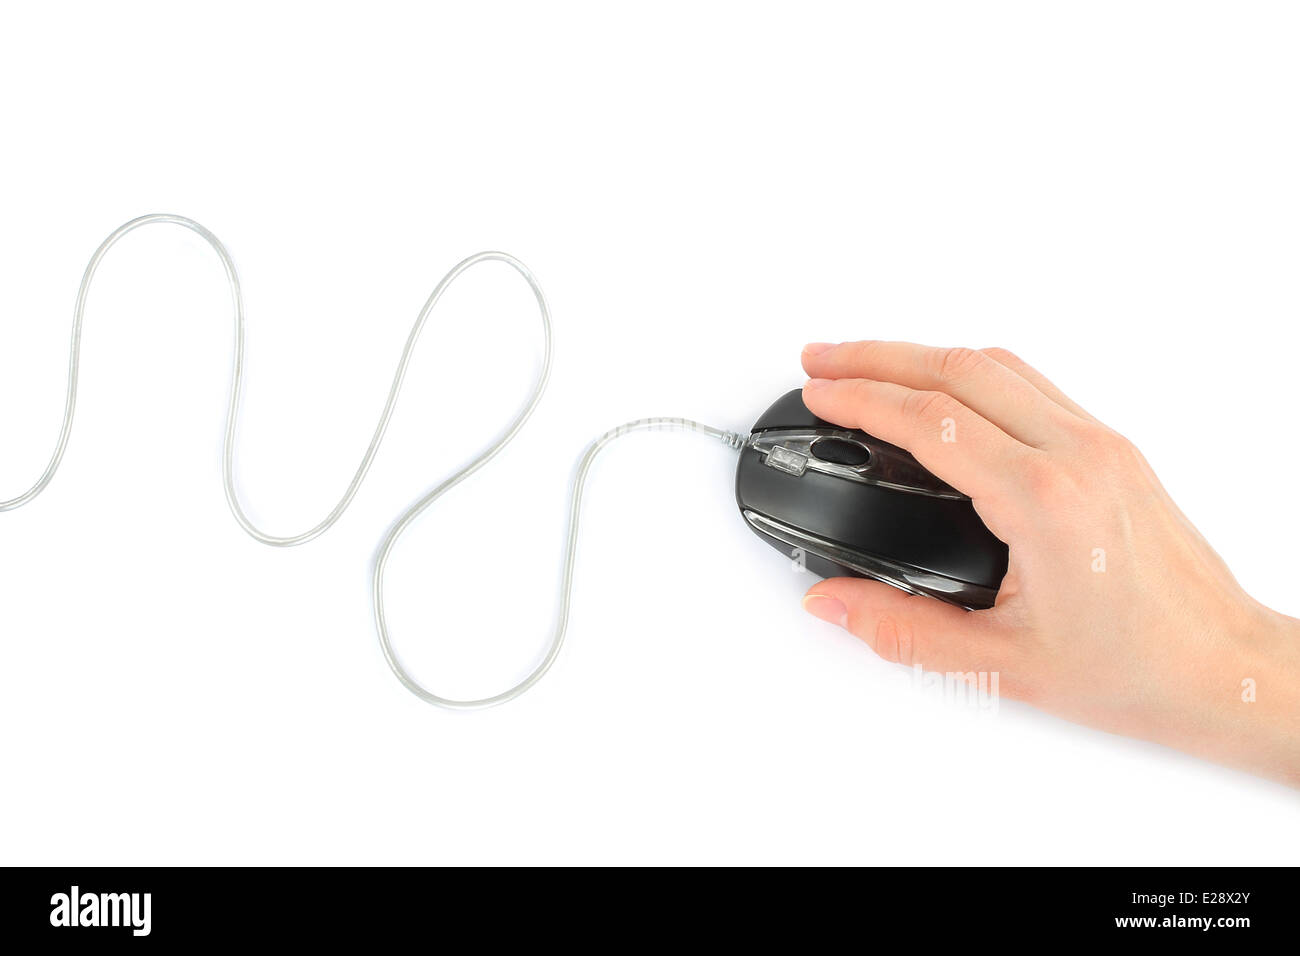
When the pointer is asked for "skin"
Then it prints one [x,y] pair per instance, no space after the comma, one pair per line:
[1157,645]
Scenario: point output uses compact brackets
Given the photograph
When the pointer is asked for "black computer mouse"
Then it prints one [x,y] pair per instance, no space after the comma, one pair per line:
[847,504]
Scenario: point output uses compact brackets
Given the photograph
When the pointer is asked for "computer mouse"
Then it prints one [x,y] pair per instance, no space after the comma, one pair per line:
[844,503]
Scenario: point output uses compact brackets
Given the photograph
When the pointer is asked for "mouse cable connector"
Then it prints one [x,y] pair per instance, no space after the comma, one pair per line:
[731,439]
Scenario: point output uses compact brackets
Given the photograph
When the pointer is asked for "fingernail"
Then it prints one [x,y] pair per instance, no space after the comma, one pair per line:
[816,383]
[829,609]
[817,348]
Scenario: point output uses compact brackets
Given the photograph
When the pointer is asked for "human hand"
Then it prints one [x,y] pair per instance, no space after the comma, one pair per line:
[1114,612]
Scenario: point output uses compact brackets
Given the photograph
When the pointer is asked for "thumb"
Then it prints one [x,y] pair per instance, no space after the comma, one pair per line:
[909,629]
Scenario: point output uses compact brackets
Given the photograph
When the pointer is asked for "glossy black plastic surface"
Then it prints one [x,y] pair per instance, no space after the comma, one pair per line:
[941,538]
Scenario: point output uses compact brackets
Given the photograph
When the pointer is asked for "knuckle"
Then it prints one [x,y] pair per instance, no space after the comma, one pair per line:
[894,640]
[860,394]
[955,364]
[1004,357]
[863,348]
[1102,446]
[929,408]
[1046,479]
[862,358]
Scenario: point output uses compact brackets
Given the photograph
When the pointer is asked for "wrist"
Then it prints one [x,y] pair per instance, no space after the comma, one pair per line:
[1255,712]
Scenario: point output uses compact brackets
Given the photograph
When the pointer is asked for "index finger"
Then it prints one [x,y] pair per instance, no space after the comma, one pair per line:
[962,448]
[983,384]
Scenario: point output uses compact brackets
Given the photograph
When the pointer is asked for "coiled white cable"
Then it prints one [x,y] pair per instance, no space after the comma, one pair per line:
[731,439]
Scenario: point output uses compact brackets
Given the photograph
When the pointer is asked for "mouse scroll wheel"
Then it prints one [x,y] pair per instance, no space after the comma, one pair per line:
[841,451]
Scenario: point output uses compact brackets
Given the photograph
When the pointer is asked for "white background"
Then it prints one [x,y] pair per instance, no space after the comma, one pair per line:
[1108,189]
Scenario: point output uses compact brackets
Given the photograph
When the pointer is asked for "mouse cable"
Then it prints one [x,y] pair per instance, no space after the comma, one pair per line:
[731,439]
